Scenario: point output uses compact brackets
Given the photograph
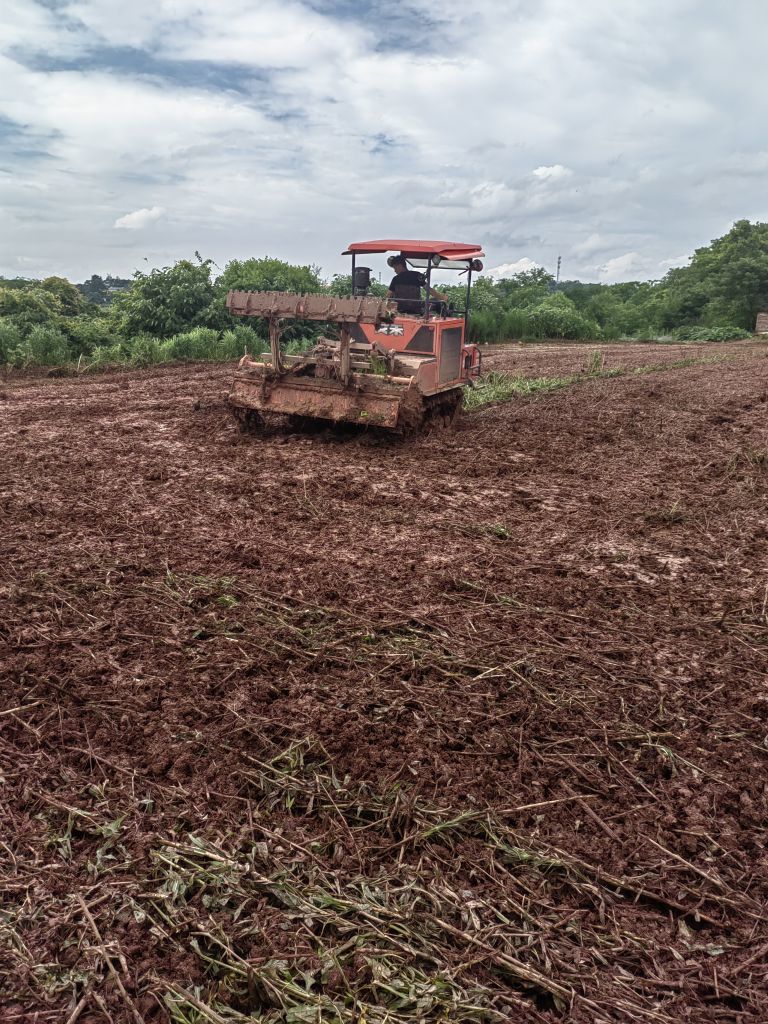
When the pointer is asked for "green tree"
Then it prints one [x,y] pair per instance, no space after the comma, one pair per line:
[44,345]
[557,317]
[265,274]
[71,300]
[166,302]
[726,282]
[485,297]
[528,288]
[16,282]
[341,285]
[10,340]
[269,275]
[86,333]
[26,307]
[628,309]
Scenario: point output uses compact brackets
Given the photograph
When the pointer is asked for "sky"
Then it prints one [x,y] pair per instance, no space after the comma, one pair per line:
[617,134]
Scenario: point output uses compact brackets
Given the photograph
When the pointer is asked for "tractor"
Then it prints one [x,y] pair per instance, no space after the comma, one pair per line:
[398,363]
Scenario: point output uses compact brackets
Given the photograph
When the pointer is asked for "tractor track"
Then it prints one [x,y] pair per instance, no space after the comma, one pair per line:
[544,629]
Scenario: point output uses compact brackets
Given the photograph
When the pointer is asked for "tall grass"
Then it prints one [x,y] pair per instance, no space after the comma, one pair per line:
[44,345]
[500,387]
[730,333]
[10,341]
[200,344]
[531,324]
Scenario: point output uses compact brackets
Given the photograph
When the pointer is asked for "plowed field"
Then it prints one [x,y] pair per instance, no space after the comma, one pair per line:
[336,727]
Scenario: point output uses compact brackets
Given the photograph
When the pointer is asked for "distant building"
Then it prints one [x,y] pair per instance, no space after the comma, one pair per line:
[103,290]
[761,327]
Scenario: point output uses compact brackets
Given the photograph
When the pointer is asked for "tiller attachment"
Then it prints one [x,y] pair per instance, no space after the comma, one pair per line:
[340,379]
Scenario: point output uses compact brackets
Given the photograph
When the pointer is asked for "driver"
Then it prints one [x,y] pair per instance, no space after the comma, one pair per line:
[405,288]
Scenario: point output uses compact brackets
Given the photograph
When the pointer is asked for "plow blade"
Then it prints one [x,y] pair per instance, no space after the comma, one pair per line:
[366,400]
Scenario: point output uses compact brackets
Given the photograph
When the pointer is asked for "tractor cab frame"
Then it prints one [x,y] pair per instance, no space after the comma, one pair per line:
[421,255]
[436,332]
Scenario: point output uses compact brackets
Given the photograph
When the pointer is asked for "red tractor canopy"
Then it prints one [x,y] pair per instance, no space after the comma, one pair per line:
[417,247]
[420,253]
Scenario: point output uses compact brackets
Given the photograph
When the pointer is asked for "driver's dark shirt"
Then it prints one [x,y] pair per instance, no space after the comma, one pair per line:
[406,288]
[407,279]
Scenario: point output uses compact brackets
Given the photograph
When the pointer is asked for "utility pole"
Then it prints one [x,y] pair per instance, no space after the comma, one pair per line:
[559,260]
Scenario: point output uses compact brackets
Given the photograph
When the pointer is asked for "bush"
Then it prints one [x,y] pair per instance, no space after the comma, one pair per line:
[164,302]
[483,327]
[199,343]
[710,334]
[267,275]
[514,324]
[145,350]
[556,320]
[10,340]
[298,346]
[70,299]
[86,334]
[109,355]
[43,346]
[33,302]
[239,340]
[555,317]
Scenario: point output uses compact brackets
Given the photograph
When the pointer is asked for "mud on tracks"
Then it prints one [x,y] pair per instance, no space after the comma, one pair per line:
[262,696]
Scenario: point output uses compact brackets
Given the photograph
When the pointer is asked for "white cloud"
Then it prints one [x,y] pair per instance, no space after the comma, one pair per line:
[125,24]
[554,173]
[594,243]
[510,269]
[270,34]
[674,261]
[290,129]
[139,218]
[623,268]
[635,266]
[23,23]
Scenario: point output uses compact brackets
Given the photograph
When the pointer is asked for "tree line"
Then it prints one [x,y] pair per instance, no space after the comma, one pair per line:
[179,312]
[715,297]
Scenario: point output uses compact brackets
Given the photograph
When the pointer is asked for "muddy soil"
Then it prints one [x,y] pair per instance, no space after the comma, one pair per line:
[561,603]
[562,358]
